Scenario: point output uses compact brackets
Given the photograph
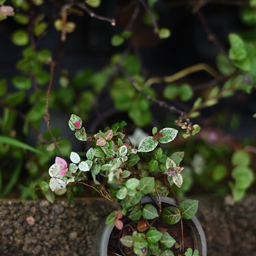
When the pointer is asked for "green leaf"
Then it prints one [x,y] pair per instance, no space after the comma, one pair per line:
[44,55]
[153,165]
[219,172]
[111,218]
[133,159]
[254,115]
[178,180]
[241,157]
[171,215]
[210,103]
[22,82]
[44,186]
[40,28]
[194,114]
[20,37]
[2,2]
[237,51]
[164,33]
[95,169]
[162,191]
[136,213]
[167,253]
[171,91]
[188,208]
[81,135]
[93,3]
[123,102]
[50,196]
[117,40]
[121,194]
[224,65]
[147,144]
[167,240]
[42,78]
[146,185]
[176,158]
[185,91]
[149,212]
[21,18]
[244,176]
[98,152]
[132,184]
[134,199]
[153,236]
[90,154]
[157,154]
[169,134]
[127,241]
[237,193]
[18,144]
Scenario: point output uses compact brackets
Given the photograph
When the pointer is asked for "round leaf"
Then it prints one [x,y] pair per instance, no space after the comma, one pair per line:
[133,159]
[171,215]
[73,168]
[22,82]
[164,33]
[146,185]
[73,119]
[241,157]
[135,213]
[169,134]
[148,144]
[127,241]
[81,135]
[188,208]
[153,164]
[149,212]
[153,235]
[178,180]
[74,157]
[93,3]
[167,253]
[20,37]
[121,194]
[83,166]
[132,184]
[111,218]
[167,240]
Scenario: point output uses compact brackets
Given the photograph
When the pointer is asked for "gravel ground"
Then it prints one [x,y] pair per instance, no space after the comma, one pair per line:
[41,228]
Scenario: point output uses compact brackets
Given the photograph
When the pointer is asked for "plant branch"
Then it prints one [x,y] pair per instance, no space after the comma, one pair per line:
[133,17]
[160,103]
[95,16]
[183,73]
[211,36]
[156,29]
[47,116]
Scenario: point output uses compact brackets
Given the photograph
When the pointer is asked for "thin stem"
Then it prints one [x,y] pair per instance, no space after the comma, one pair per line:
[160,103]
[95,16]
[182,235]
[211,36]
[156,29]
[47,116]
[183,73]
[133,17]
[170,189]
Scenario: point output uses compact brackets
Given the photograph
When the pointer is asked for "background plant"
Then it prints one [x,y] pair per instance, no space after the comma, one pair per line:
[126,82]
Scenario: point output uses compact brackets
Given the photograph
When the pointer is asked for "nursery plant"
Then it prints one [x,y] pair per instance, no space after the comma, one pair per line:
[123,173]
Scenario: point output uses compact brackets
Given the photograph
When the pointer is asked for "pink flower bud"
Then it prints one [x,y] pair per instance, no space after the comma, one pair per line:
[77,125]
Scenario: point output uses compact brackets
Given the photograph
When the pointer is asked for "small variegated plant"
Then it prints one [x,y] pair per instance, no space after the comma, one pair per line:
[123,174]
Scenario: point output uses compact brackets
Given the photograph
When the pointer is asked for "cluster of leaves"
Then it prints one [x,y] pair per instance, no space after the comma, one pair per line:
[128,175]
[150,240]
[242,173]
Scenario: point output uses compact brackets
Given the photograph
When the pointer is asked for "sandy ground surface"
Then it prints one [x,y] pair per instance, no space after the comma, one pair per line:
[41,228]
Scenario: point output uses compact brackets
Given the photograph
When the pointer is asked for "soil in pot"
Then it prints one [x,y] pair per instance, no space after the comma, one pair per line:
[174,230]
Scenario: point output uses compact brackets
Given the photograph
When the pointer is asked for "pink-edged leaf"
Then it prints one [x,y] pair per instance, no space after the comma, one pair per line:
[63,172]
[101,142]
[108,135]
[61,162]
[119,224]
[77,125]
[119,215]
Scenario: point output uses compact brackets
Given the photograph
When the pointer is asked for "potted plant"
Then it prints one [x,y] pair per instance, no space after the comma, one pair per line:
[138,180]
